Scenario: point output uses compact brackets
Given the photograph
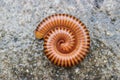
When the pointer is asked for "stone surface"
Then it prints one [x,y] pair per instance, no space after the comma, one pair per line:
[22,57]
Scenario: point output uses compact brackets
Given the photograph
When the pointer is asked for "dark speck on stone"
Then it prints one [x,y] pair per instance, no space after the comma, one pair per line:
[15,39]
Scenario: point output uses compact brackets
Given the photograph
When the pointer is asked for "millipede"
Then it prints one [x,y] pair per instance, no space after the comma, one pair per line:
[66,39]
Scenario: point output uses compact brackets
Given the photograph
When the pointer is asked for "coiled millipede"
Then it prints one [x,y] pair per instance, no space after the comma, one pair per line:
[66,39]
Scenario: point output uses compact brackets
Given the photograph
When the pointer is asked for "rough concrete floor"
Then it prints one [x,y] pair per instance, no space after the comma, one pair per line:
[23,59]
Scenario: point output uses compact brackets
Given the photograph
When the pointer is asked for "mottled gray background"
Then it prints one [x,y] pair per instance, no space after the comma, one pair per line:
[23,59]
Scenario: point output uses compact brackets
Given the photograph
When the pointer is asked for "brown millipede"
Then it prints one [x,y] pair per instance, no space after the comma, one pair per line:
[66,39]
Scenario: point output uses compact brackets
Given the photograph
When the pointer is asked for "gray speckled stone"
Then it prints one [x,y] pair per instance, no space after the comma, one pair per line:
[22,57]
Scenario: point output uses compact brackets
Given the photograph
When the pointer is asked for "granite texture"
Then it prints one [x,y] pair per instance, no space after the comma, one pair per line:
[22,57]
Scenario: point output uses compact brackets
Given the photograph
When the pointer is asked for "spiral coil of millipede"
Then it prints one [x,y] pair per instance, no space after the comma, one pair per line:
[66,39]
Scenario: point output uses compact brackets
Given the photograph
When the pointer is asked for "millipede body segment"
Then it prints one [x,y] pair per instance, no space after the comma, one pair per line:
[66,39]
